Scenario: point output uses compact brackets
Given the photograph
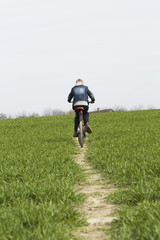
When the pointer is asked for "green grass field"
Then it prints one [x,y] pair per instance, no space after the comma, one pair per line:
[125,146]
[37,179]
[38,175]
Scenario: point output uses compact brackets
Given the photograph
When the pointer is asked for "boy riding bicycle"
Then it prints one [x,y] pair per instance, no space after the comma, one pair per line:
[80,94]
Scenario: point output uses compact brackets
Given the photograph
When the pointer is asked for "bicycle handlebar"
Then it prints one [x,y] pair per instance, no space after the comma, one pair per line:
[88,102]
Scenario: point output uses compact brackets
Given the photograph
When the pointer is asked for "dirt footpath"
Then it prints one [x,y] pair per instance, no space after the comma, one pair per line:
[95,209]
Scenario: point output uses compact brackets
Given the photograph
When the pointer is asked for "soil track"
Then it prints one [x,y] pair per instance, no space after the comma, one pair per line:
[97,212]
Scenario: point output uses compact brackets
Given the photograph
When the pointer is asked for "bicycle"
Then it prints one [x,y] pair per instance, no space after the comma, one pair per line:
[81,128]
[82,133]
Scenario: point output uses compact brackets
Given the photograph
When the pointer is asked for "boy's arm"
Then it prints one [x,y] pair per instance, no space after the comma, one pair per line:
[70,96]
[91,95]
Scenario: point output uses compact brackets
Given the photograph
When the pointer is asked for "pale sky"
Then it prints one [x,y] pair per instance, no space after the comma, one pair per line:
[45,45]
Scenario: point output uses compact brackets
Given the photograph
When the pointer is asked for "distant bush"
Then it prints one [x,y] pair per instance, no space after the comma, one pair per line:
[21,115]
[137,107]
[33,115]
[119,109]
[3,116]
[53,112]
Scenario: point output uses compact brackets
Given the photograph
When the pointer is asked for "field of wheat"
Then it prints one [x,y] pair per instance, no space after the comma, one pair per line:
[38,175]
[125,146]
[37,179]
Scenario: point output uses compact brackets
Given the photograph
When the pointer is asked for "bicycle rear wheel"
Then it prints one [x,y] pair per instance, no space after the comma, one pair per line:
[80,135]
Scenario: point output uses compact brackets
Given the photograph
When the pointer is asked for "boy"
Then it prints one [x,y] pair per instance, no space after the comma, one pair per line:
[80,94]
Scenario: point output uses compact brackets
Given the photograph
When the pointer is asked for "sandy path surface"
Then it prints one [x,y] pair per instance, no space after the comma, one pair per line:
[97,212]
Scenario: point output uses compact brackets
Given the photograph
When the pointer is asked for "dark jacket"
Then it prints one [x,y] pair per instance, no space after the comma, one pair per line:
[80,93]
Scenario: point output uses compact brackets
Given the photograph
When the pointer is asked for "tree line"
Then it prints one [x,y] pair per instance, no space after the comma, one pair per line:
[56,112]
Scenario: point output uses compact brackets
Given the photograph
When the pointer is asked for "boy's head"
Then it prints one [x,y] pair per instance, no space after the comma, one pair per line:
[79,81]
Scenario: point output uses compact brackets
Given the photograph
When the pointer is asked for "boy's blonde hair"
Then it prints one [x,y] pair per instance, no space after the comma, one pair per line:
[79,81]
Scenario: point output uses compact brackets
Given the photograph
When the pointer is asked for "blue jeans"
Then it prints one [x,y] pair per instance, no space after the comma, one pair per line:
[85,117]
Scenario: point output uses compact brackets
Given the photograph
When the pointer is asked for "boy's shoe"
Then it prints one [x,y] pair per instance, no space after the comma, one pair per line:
[88,128]
[75,134]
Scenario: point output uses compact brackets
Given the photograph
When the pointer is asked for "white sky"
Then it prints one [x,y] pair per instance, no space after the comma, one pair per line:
[45,45]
